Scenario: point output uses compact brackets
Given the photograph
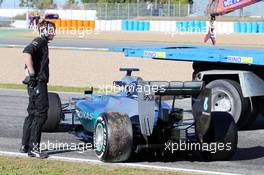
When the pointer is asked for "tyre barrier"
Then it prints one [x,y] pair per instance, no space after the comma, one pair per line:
[128,25]
[159,26]
[74,24]
[191,26]
[162,26]
[249,27]
[223,27]
[108,25]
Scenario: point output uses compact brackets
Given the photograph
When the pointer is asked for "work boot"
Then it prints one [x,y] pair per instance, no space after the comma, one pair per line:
[38,154]
[23,149]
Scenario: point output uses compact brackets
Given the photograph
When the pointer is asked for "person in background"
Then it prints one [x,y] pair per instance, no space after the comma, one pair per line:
[211,33]
[37,18]
[150,8]
[191,6]
[160,8]
[31,20]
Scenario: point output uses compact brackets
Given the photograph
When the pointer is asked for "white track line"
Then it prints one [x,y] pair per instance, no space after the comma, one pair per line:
[60,47]
[130,165]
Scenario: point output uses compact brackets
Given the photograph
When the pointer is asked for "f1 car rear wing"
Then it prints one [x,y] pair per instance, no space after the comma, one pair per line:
[177,88]
[146,101]
[199,53]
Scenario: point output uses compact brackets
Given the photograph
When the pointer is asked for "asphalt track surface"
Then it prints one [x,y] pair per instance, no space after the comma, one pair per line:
[249,158]
[85,43]
[104,44]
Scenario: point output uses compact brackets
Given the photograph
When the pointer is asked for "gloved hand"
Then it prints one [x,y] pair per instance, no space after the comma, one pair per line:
[30,80]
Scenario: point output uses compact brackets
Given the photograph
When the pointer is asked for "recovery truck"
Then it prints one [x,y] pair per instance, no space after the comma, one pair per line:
[235,76]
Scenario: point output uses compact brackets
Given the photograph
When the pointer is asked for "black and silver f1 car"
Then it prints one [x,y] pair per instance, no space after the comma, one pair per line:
[143,116]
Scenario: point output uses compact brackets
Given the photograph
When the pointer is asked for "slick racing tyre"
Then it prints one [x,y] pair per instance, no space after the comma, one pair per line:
[54,113]
[113,137]
[221,138]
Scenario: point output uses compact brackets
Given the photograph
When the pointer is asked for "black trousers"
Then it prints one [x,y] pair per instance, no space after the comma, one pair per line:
[37,114]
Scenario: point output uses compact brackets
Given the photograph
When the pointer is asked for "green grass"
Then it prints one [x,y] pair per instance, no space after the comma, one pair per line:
[58,88]
[51,88]
[33,166]
[12,32]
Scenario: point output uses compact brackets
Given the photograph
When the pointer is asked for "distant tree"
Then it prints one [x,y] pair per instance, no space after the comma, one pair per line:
[36,3]
[71,1]
[85,1]
[45,4]
[132,1]
[26,3]
[115,1]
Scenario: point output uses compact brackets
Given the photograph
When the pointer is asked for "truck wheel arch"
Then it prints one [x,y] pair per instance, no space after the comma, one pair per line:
[244,82]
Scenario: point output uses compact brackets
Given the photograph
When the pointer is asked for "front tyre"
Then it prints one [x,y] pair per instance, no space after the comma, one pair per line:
[54,113]
[113,137]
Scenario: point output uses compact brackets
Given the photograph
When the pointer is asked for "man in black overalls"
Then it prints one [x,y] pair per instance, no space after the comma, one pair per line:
[36,56]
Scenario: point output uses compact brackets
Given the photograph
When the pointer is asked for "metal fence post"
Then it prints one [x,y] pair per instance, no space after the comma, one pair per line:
[179,8]
[137,8]
[128,9]
[241,13]
[174,9]
[189,9]
[169,5]
[106,10]
[118,12]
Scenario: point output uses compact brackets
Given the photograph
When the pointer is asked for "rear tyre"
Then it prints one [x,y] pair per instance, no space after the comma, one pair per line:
[54,113]
[113,137]
[221,137]
[227,97]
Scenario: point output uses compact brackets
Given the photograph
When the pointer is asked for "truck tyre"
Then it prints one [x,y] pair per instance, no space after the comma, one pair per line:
[54,113]
[113,137]
[227,97]
[221,137]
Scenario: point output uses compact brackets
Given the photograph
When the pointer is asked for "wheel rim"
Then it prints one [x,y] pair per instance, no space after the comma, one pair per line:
[222,102]
[99,137]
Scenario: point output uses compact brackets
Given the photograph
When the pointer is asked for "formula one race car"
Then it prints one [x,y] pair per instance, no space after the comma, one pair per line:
[143,116]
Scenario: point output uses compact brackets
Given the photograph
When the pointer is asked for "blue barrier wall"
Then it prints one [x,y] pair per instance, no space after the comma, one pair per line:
[128,25]
[191,26]
[260,27]
[194,26]
[249,27]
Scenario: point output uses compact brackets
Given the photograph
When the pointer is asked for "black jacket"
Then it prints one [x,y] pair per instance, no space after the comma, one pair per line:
[39,51]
